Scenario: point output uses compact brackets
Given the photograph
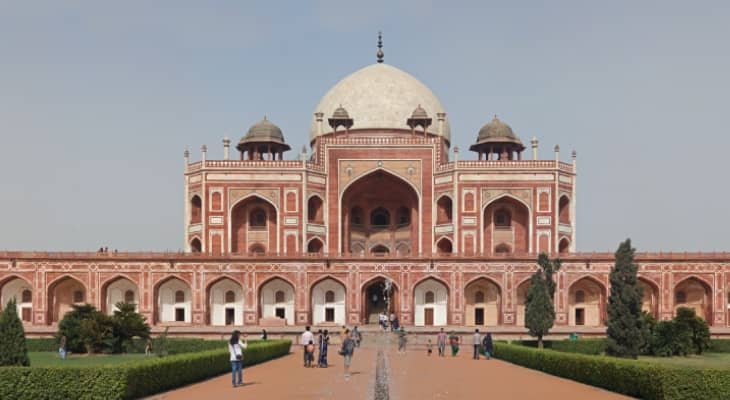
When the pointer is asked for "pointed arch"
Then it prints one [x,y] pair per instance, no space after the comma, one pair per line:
[220,309]
[273,306]
[315,246]
[237,224]
[18,287]
[483,301]
[167,307]
[591,309]
[62,293]
[697,295]
[324,309]
[650,299]
[113,291]
[444,246]
[444,209]
[372,301]
[564,245]
[491,239]
[431,301]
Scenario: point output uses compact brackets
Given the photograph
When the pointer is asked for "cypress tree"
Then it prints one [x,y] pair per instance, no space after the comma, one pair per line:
[13,350]
[625,331]
[539,307]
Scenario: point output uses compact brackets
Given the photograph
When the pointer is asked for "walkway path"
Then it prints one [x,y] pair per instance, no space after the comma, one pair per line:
[410,376]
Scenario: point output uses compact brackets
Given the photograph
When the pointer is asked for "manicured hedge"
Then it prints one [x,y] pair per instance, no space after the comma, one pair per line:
[174,345]
[130,380]
[638,379]
[719,346]
[581,346]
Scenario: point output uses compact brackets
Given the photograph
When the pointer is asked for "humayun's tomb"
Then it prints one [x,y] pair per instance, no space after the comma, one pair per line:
[380,196]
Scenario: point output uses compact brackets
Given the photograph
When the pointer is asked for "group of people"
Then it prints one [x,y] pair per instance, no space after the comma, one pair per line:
[350,340]
[386,322]
[481,344]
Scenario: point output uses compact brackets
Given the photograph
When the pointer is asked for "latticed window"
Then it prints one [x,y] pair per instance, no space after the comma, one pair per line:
[680,297]
[329,297]
[502,218]
[129,296]
[78,296]
[257,218]
[479,297]
[580,296]
[279,297]
[230,296]
[179,296]
[430,297]
[26,296]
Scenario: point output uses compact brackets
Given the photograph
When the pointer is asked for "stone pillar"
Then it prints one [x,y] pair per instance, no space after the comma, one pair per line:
[226,148]
[534,144]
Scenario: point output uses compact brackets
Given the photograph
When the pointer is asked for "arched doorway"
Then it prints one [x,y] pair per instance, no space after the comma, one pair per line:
[695,294]
[586,300]
[20,290]
[431,300]
[315,246]
[225,302]
[373,300]
[444,246]
[521,301]
[195,246]
[62,294]
[506,227]
[564,246]
[483,303]
[444,210]
[253,226]
[119,290]
[276,301]
[315,211]
[379,209]
[328,302]
[649,297]
[564,210]
[173,301]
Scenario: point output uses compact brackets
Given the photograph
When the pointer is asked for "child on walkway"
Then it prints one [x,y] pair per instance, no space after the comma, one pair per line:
[429,347]
[310,354]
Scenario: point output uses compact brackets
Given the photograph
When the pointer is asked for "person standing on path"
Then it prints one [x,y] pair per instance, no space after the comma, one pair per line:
[348,349]
[441,341]
[235,349]
[454,341]
[324,341]
[62,347]
[307,336]
[402,340]
[477,342]
[488,345]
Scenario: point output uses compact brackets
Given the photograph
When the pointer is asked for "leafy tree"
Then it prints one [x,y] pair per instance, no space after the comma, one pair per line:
[625,333]
[13,350]
[549,268]
[663,343]
[539,310]
[648,325]
[128,323]
[86,329]
[697,329]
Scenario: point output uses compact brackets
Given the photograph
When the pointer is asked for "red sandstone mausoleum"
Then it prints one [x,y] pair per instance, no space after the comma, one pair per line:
[381,197]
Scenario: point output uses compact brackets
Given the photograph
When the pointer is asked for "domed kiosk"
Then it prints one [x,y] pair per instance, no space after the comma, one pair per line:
[496,137]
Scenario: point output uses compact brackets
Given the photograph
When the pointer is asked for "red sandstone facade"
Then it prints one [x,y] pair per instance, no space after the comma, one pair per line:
[310,241]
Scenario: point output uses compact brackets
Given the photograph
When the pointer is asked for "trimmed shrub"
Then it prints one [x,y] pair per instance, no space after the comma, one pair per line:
[13,350]
[174,345]
[719,346]
[41,344]
[634,378]
[130,380]
[582,346]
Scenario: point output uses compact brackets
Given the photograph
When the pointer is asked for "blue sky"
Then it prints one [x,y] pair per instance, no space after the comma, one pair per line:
[98,102]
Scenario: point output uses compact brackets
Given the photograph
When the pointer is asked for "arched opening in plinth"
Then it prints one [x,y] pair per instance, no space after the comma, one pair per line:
[20,290]
[328,302]
[696,294]
[374,302]
[431,303]
[506,226]
[119,290]
[482,303]
[276,301]
[649,297]
[173,301]
[522,289]
[62,294]
[587,303]
[379,210]
[225,302]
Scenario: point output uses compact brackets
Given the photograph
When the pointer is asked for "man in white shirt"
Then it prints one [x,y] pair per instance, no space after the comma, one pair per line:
[477,343]
[307,336]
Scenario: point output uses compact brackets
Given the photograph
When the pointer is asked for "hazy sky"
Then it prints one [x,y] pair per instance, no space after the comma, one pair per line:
[98,101]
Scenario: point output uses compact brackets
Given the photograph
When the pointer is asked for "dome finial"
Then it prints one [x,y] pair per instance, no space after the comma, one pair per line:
[380,47]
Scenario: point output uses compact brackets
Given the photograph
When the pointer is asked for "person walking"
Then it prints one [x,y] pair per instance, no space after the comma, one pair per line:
[310,355]
[235,349]
[441,342]
[307,337]
[324,341]
[488,345]
[62,347]
[429,347]
[454,341]
[476,342]
[347,351]
[264,335]
[402,340]
[356,336]
[148,347]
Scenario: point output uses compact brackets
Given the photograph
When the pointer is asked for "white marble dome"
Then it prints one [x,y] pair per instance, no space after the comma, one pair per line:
[380,96]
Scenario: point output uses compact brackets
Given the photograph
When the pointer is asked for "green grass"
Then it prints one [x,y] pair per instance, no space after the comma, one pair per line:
[706,360]
[51,359]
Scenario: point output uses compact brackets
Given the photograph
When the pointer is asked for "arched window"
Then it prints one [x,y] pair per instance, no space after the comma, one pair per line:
[502,249]
[196,210]
[444,214]
[257,218]
[380,249]
[26,296]
[404,216]
[680,297]
[380,218]
[429,297]
[314,210]
[279,296]
[580,296]
[356,216]
[179,296]
[215,201]
[129,296]
[502,218]
[195,245]
[479,297]
[230,296]
[78,296]
[329,296]
[314,246]
[257,248]
[564,210]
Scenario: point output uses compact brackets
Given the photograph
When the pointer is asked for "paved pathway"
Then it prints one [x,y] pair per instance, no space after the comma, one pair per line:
[410,376]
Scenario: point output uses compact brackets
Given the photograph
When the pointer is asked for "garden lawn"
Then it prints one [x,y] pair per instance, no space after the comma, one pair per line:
[51,359]
[706,360]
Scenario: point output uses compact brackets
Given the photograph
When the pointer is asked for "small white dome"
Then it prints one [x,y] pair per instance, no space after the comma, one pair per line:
[380,96]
